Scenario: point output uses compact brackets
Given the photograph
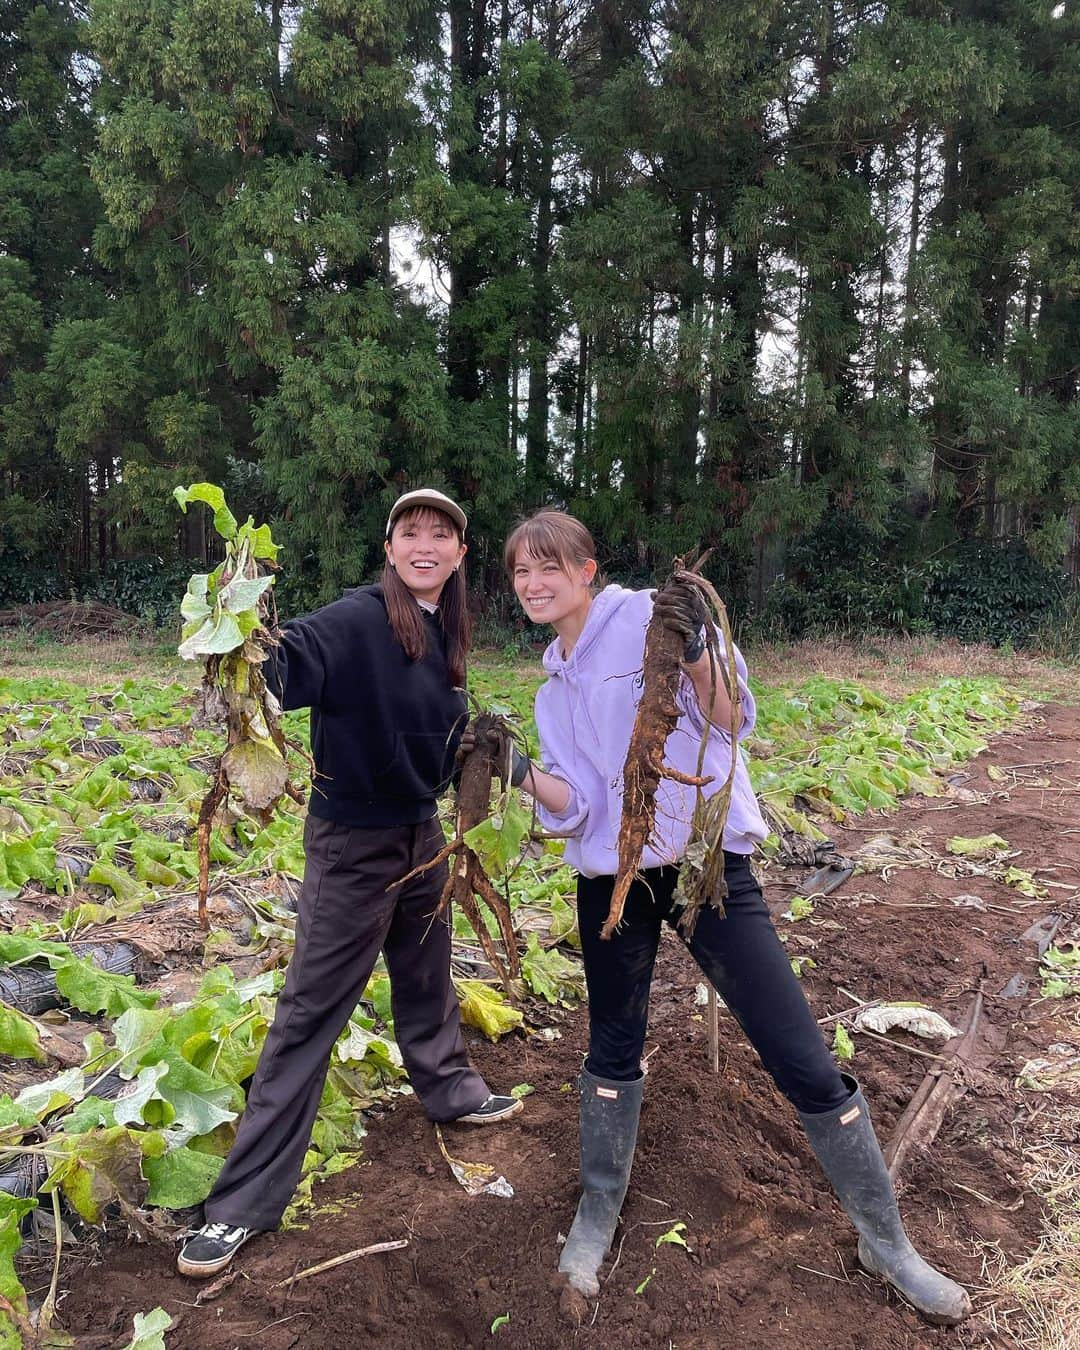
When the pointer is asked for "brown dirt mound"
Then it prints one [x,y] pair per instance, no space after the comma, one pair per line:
[770,1259]
[69,620]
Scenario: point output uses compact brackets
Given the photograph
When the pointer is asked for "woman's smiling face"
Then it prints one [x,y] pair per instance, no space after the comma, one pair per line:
[424,548]
[548,593]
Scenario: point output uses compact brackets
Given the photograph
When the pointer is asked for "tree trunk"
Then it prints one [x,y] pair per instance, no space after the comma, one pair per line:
[537,448]
[581,380]
[683,465]
[914,220]
[467,55]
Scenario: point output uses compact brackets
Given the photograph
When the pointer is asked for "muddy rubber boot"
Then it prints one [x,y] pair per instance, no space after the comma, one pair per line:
[609,1123]
[848,1151]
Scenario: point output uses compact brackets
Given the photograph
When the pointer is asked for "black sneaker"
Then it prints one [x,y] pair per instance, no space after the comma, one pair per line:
[488,1112]
[211,1249]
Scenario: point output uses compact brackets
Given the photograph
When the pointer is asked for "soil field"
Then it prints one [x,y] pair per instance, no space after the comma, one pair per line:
[769,1258]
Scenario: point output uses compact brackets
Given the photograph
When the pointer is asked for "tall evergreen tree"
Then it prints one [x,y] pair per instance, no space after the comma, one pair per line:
[720,274]
[48,280]
[1001,277]
[255,168]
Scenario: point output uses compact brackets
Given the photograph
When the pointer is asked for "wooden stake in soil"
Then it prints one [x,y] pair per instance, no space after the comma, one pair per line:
[714,1031]
[925,1112]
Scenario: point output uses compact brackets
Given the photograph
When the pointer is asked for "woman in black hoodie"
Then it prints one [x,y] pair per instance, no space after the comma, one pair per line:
[381,670]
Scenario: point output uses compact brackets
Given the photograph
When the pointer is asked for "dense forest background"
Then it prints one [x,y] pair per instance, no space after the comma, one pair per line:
[797,280]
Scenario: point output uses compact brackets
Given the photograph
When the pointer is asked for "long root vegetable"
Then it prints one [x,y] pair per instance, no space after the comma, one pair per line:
[468,881]
[643,768]
[701,876]
[253,764]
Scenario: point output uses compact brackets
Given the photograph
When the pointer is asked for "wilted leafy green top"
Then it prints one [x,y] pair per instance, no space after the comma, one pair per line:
[221,608]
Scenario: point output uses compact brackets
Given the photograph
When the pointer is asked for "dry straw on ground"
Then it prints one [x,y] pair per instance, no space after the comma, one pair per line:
[1036,1305]
[896,665]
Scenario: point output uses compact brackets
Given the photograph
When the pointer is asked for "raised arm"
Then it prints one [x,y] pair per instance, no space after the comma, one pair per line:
[718,710]
[682,611]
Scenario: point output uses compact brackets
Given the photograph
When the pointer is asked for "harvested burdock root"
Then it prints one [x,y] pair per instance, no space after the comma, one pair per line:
[643,768]
[253,768]
[701,875]
[468,882]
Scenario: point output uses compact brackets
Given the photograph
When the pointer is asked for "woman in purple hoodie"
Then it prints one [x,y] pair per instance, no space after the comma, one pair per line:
[584,714]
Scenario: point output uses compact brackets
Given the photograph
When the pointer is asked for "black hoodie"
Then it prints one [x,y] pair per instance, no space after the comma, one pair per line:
[383,728]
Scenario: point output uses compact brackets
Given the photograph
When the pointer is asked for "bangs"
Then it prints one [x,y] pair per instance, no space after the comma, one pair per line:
[549,536]
[424,515]
[538,540]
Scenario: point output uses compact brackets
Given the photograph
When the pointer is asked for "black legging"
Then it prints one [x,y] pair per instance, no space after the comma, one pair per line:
[742,957]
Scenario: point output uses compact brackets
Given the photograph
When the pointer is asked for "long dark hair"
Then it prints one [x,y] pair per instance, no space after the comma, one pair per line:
[405,616]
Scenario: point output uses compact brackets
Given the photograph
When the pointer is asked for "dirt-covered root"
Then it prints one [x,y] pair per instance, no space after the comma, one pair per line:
[701,876]
[468,882]
[482,885]
[471,909]
[643,768]
[657,716]
[219,790]
[443,854]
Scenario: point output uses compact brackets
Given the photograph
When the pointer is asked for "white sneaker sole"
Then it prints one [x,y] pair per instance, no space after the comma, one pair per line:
[202,1270]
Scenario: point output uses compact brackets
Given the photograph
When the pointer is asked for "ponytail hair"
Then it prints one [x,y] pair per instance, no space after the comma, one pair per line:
[407,620]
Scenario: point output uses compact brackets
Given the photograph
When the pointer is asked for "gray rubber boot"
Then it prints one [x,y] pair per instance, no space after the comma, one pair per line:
[609,1123]
[848,1151]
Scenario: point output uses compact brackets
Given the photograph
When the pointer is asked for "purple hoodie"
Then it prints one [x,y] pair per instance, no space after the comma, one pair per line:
[585,714]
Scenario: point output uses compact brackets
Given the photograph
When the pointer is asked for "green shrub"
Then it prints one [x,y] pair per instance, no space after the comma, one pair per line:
[991,593]
[1058,635]
[149,587]
[844,578]
[26,581]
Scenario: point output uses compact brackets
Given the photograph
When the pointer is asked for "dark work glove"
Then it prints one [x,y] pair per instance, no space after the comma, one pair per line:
[519,766]
[495,743]
[682,610]
[466,746]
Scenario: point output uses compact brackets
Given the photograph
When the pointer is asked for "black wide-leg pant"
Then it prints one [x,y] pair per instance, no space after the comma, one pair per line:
[346,916]
[741,955]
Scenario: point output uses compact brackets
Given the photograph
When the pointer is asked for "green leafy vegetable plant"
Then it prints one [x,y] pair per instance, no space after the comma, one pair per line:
[673,1235]
[226,626]
[1060,971]
[843,1046]
[150,1329]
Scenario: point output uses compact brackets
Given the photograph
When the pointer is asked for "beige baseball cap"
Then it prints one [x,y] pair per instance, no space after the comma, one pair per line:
[439,501]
